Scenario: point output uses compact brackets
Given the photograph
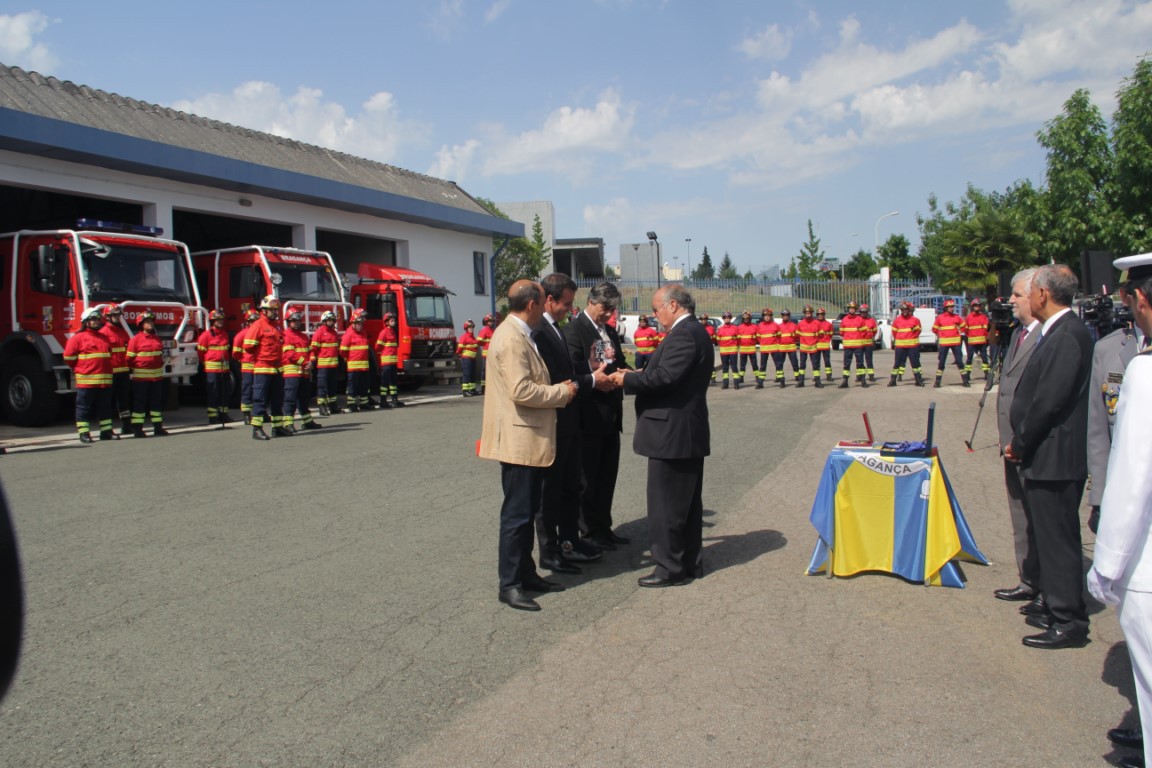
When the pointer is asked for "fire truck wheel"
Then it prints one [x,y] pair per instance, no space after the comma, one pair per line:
[29,394]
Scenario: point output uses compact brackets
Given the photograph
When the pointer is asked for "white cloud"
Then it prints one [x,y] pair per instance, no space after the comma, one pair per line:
[454,162]
[376,131]
[496,10]
[18,46]
[446,18]
[770,43]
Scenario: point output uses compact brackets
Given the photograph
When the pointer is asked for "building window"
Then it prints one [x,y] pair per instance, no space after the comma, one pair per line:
[480,273]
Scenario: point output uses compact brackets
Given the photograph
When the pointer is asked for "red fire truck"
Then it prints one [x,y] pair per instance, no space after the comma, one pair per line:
[50,278]
[236,279]
[423,319]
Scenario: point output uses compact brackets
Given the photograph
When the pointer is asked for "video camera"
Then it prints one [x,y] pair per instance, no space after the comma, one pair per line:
[1000,312]
[1102,313]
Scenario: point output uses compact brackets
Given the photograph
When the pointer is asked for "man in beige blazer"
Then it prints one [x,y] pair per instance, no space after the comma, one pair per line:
[1016,356]
[519,431]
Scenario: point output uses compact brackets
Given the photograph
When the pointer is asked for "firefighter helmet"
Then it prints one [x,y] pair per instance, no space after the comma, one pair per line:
[746,313]
[469,324]
[644,318]
[767,311]
[144,317]
[270,302]
[948,303]
[488,319]
[389,316]
[216,314]
[807,309]
[703,315]
[295,314]
[727,315]
[785,312]
[92,314]
[821,311]
[906,305]
[328,315]
[852,305]
[358,315]
[977,302]
[252,315]
[112,309]
[864,308]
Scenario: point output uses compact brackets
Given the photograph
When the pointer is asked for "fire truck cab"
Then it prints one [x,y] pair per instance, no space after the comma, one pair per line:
[49,278]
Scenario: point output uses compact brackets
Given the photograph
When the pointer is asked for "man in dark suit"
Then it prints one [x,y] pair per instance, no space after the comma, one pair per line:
[672,430]
[1049,421]
[557,525]
[1018,352]
[590,338]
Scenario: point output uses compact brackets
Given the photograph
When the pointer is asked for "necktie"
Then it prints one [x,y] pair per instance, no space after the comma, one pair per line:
[1020,339]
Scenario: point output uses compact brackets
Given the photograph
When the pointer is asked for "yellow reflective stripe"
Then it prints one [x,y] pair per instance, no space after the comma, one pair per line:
[93,355]
[91,379]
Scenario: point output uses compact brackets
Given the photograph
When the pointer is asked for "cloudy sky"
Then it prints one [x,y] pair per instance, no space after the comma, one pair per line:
[730,122]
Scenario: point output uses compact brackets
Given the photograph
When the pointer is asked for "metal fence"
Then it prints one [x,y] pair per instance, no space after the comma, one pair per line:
[715,297]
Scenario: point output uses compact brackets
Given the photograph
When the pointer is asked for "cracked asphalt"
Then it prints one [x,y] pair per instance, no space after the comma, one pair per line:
[330,600]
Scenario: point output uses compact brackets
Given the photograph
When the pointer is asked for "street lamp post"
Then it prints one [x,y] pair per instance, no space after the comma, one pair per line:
[688,268]
[654,241]
[876,244]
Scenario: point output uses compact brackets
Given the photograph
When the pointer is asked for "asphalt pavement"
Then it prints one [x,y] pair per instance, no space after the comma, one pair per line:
[330,600]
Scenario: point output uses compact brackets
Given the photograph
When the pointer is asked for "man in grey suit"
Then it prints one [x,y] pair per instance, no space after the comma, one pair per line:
[1049,420]
[672,430]
[1016,357]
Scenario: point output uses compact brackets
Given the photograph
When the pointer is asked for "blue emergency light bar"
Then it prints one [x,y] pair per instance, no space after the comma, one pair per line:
[96,225]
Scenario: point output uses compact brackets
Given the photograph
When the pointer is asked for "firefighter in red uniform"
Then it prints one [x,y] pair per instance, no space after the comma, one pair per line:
[808,337]
[388,352]
[264,342]
[355,350]
[906,341]
[728,340]
[484,336]
[870,342]
[296,368]
[646,338]
[747,338]
[240,355]
[117,336]
[213,348]
[467,348]
[824,343]
[325,349]
[786,347]
[767,338]
[949,328]
[146,369]
[854,334]
[89,356]
[977,338]
[708,329]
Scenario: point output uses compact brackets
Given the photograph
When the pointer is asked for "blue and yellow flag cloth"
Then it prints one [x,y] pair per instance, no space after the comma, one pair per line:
[890,513]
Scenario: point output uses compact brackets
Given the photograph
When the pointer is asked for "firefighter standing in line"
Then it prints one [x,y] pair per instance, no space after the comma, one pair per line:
[824,344]
[853,335]
[325,349]
[708,329]
[240,355]
[728,340]
[388,352]
[786,347]
[747,337]
[89,356]
[646,338]
[906,341]
[146,369]
[870,342]
[264,342]
[355,350]
[296,368]
[808,334]
[212,347]
[484,336]
[767,338]
[949,328]
[118,337]
[467,348]
[976,341]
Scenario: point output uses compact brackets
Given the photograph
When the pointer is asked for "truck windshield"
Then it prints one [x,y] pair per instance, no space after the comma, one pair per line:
[117,272]
[428,308]
[304,282]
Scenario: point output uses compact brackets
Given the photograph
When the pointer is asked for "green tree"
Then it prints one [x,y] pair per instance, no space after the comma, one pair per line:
[861,266]
[895,253]
[704,270]
[520,258]
[1075,214]
[728,269]
[807,262]
[978,249]
[610,272]
[1130,192]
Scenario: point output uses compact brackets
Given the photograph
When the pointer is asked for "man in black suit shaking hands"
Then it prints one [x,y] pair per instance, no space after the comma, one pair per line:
[672,431]
[1049,420]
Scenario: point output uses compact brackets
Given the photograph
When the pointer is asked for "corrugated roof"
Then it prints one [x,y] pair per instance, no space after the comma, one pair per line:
[60,100]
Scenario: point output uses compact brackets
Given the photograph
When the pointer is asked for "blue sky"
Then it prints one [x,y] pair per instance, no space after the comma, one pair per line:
[729,122]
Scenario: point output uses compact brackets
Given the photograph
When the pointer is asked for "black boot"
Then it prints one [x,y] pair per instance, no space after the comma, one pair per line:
[138,431]
[919,379]
[966,378]
[258,433]
[159,431]
[397,404]
[872,377]
[892,380]
[939,376]
[780,383]
[85,437]
[737,382]
[844,384]
[323,409]
[759,383]
[862,380]
[799,382]
[818,382]
[313,425]
[225,418]
[126,425]
[385,404]
[724,384]
[107,434]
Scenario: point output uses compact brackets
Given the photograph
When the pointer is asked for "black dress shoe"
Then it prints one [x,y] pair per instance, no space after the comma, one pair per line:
[516,598]
[616,538]
[542,585]
[652,580]
[1056,638]
[1127,737]
[579,551]
[1015,593]
[556,565]
[1037,606]
[1040,622]
[1131,761]
[601,542]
